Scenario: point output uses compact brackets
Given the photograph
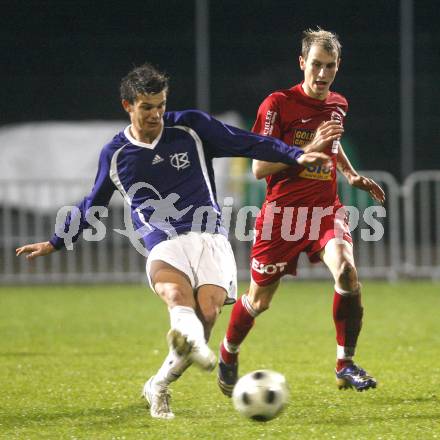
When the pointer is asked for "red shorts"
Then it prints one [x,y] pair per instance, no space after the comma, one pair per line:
[282,236]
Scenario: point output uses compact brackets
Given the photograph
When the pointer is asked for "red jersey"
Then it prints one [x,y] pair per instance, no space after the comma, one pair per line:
[293,117]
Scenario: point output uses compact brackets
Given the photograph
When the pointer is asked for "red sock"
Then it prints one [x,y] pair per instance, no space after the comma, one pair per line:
[240,323]
[347,315]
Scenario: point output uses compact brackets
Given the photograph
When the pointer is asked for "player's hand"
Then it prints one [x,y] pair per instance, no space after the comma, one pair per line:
[35,250]
[368,185]
[326,133]
[315,159]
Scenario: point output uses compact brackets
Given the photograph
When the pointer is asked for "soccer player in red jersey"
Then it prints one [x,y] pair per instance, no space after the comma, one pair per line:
[302,211]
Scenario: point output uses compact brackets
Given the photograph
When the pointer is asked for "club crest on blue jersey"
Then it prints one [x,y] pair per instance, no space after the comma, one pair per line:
[180,161]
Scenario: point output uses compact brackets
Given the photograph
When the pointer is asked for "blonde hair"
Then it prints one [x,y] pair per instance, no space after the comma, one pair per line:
[327,40]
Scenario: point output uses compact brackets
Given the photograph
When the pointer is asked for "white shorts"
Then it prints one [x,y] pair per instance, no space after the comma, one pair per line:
[203,257]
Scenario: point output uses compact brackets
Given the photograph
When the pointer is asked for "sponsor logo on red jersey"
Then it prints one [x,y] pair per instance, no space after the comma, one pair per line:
[269,122]
[302,136]
[268,268]
[316,173]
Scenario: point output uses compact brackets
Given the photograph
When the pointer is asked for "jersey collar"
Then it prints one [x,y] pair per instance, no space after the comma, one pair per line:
[133,141]
[309,98]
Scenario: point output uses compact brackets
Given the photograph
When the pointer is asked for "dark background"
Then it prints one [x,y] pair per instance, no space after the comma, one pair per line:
[63,60]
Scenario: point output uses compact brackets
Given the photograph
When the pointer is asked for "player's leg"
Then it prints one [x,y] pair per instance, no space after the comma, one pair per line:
[347,308]
[175,290]
[210,300]
[185,336]
[347,313]
[270,260]
[243,315]
[242,319]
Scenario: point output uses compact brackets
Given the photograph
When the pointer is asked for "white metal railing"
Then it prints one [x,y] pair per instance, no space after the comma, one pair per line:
[421,196]
[410,246]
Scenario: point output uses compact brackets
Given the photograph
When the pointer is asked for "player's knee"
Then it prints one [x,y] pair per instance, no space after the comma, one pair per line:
[174,296]
[261,303]
[347,276]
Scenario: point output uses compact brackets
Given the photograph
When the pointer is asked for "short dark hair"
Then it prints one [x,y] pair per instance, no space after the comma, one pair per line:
[328,40]
[142,80]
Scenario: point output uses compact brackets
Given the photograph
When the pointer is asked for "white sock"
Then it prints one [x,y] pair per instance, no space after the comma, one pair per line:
[171,369]
[344,353]
[186,321]
[230,348]
[247,305]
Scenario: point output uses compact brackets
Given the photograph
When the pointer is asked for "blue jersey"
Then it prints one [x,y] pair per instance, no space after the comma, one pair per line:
[169,184]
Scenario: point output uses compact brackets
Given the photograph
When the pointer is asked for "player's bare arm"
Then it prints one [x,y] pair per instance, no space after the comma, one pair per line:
[358,181]
[35,250]
[262,169]
[326,133]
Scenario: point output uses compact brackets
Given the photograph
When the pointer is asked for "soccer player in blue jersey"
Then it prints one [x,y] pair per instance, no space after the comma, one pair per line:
[162,166]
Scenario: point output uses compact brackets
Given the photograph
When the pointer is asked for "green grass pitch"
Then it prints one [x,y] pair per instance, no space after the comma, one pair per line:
[73,361]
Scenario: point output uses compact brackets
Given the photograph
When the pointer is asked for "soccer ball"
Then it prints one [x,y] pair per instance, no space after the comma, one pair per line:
[260,395]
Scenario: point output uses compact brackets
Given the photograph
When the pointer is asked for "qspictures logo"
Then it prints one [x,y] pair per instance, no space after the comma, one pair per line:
[165,216]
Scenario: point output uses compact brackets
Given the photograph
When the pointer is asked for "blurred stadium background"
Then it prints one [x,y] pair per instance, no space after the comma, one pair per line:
[61,66]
